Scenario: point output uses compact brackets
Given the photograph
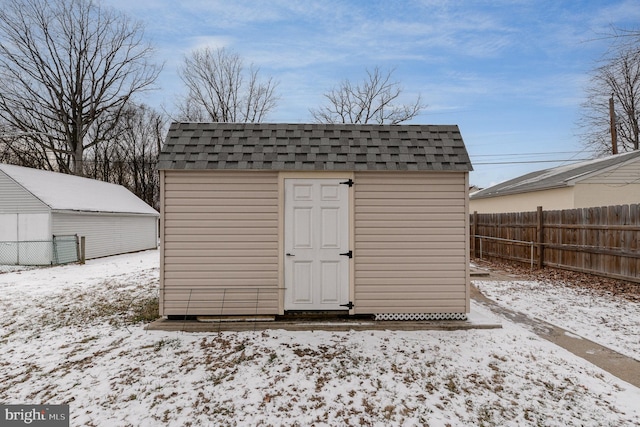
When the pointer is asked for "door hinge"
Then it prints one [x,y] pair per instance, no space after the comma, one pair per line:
[349,305]
[349,254]
[349,182]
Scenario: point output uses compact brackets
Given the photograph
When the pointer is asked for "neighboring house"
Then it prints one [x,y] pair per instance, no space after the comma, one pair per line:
[474,189]
[611,180]
[272,218]
[36,205]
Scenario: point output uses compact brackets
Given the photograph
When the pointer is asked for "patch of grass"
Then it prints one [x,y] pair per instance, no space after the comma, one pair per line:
[388,411]
[485,416]
[145,311]
[172,342]
[451,385]
[7,335]
[87,339]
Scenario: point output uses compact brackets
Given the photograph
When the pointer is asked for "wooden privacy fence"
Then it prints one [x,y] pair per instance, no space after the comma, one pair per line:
[602,240]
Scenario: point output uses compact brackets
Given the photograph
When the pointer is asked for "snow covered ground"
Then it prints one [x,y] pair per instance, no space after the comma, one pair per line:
[600,317]
[68,335]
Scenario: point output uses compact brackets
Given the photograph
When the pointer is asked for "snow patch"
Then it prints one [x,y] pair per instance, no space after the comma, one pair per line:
[67,336]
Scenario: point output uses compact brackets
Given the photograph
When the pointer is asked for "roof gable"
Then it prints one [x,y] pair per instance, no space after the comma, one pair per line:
[68,192]
[558,177]
[338,147]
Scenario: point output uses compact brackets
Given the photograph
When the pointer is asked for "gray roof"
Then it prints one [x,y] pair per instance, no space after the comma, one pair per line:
[558,177]
[337,147]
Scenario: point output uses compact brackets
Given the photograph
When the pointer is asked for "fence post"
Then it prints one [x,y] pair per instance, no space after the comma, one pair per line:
[82,249]
[474,233]
[540,230]
[54,251]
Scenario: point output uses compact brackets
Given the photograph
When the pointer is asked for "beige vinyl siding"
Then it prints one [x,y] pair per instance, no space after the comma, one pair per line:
[552,199]
[220,243]
[14,198]
[108,234]
[410,246]
[595,195]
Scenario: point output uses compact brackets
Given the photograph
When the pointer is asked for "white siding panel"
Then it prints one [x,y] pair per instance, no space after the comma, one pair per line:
[8,227]
[220,243]
[108,234]
[15,199]
[622,175]
[410,246]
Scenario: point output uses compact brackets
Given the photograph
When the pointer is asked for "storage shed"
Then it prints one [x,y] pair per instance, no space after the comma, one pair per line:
[265,219]
[36,205]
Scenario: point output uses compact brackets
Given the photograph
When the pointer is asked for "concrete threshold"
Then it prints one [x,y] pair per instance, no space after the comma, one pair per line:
[474,321]
[478,272]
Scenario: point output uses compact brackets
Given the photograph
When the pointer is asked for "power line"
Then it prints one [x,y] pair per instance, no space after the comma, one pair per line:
[528,161]
[528,154]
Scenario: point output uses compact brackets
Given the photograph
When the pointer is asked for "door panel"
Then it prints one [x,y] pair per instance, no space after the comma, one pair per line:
[8,235]
[302,276]
[8,227]
[33,229]
[315,233]
[330,282]
[330,226]
[302,224]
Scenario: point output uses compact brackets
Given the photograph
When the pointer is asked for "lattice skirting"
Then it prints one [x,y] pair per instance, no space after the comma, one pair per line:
[421,316]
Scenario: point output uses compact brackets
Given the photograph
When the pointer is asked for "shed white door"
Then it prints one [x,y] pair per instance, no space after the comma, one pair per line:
[32,231]
[316,233]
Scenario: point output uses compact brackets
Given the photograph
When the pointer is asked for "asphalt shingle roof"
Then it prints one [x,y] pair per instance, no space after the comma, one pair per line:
[558,177]
[337,147]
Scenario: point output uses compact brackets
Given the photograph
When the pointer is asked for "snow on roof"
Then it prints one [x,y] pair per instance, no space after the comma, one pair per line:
[68,192]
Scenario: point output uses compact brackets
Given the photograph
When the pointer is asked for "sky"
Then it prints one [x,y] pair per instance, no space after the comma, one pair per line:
[510,73]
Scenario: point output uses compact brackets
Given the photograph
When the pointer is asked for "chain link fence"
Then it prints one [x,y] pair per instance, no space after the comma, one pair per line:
[58,250]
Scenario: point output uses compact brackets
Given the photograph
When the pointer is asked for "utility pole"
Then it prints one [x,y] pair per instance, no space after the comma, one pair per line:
[612,125]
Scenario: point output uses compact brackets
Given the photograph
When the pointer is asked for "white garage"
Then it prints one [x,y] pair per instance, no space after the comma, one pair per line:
[39,210]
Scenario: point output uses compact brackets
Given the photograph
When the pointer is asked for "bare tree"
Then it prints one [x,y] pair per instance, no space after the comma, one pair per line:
[21,150]
[617,77]
[624,37]
[68,69]
[220,89]
[17,148]
[131,155]
[372,101]
[144,131]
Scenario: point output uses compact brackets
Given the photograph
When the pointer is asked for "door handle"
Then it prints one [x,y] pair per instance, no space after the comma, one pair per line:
[290,254]
[348,254]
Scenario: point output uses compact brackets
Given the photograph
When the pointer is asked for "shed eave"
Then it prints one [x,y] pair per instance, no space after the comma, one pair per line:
[462,169]
[110,213]
[519,191]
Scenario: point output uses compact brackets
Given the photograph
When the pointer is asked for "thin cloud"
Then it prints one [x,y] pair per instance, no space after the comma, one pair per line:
[214,42]
[473,62]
